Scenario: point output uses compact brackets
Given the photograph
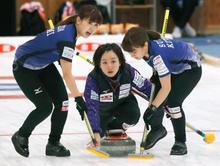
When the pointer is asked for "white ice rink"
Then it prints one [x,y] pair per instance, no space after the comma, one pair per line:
[201,108]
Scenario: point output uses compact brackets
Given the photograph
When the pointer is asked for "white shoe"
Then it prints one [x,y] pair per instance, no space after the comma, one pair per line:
[190,31]
[177,32]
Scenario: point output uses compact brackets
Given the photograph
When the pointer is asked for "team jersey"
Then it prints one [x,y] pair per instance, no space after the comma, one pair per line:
[172,57]
[102,95]
[47,47]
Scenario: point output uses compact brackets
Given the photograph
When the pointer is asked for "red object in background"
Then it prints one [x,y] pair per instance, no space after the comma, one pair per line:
[87,46]
[4,48]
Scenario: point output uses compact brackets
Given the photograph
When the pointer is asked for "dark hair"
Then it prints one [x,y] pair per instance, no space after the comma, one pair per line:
[137,36]
[105,48]
[90,12]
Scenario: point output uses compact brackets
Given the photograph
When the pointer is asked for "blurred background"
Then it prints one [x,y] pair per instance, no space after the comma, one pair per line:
[18,16]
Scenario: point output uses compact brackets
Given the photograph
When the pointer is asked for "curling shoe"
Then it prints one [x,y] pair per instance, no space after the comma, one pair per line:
[20,144]
[154,136]
[179,148]
[56,149]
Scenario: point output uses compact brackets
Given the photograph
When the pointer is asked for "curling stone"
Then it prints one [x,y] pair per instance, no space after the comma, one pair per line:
[118,144]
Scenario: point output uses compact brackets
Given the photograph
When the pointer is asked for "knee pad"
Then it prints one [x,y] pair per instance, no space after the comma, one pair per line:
[174,112]
[65,106]
[125,126]
[61,106]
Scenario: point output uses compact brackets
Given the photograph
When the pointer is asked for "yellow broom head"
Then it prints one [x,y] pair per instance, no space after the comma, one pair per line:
[209,138]
[142,155]
[97,152]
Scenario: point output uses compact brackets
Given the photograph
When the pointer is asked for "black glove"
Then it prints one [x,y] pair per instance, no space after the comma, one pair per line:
[153,116]
[80,106]
[149,113]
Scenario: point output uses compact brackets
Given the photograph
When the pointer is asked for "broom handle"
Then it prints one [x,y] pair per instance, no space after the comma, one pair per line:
[165,22]
[91,133]
[146,127]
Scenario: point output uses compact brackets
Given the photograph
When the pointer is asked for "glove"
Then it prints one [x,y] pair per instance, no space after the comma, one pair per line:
[80,106]
[153,116]
[148,114]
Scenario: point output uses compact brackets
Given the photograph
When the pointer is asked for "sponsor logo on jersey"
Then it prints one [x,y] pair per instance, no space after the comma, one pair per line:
[94,95]
[61,28]
[108,97]
[160,66]
[138,80]
[124,90]
[68,53]
[4,48]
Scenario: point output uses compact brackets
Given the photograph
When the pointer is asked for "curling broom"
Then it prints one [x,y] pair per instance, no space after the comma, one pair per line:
[143,154]
[94,150]
[207,137]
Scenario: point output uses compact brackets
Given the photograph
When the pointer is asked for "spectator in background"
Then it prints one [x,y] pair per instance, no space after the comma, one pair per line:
[181,12]
[66,9]
[69,8]
[32,19]
[102,8]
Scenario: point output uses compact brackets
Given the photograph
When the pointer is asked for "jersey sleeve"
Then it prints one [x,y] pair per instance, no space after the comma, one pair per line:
[139,82]
[161,65]
[92,101]
[66,50]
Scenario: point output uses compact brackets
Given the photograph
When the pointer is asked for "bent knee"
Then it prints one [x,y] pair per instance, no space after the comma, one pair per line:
[174,112]
[62,106]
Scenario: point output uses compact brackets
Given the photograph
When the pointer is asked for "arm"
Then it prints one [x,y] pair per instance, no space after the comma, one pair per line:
[162,66]
[68,77]
[139,82]
[66,65]
[164,90]
[92,101]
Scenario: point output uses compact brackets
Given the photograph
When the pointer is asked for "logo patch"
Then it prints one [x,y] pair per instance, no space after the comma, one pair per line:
[68,53]
[138,80]
[108,97]
[38,90]
[160,66]
[65,106]
[124,90]
[94,95]
[61,28]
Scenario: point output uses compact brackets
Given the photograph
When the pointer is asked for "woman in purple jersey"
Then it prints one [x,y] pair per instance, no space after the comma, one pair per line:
[43,85]
[177,70]
[109,100]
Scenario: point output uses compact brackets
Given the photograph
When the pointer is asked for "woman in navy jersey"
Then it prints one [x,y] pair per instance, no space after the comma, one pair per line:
[110,103]
[40,81]
[177,70]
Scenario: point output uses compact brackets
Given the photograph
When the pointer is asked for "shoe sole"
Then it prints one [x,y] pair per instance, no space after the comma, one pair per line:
[156,141]
[178,154]
[49,154]
[16,146]
[57,155]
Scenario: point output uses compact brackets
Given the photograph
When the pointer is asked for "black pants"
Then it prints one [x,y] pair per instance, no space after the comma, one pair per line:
[180,15]
[181,86]
[46,90]
[124,115]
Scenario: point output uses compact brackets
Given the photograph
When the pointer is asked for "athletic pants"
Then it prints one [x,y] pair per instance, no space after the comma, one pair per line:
[123,116]
[46,90]
[181,86]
